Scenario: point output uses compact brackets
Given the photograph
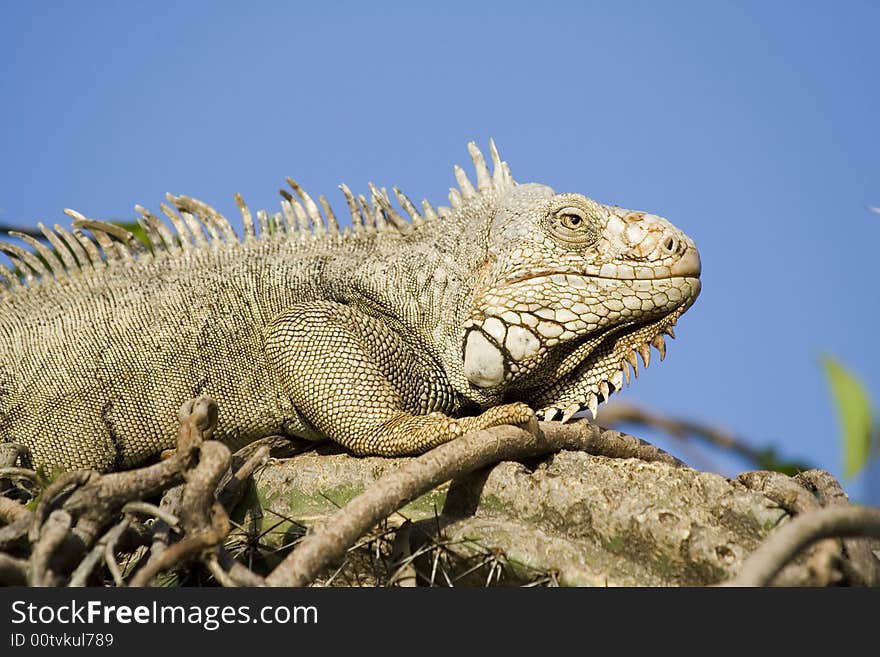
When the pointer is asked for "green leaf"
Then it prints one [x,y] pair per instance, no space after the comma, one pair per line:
[856,415]
[135,228]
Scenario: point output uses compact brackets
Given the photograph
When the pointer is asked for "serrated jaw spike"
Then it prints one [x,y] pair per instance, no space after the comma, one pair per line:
[633,361]
[645,353]
[569,412]
[660,345]
[617,379]
[668,331]
[593,404]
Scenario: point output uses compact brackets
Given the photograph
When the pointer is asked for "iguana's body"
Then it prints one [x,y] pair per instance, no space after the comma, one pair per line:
[377,338]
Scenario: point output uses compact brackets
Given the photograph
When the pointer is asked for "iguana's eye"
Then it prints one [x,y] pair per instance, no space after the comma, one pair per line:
[571,218]
[572,226]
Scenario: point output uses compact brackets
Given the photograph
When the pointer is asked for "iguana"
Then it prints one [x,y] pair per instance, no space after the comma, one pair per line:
[388,337]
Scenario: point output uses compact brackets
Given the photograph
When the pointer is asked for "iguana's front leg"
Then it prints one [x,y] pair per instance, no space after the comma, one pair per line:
[358,383]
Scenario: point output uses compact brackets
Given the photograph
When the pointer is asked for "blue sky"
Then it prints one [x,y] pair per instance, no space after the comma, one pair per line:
[753,126]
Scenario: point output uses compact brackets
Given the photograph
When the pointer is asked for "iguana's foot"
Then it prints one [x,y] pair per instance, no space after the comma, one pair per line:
[413,434]
[517,413]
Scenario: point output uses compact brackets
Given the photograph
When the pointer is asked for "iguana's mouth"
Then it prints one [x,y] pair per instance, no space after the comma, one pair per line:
[602,370]
[687,266]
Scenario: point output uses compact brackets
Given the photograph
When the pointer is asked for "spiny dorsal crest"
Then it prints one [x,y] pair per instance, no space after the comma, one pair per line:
[94,244]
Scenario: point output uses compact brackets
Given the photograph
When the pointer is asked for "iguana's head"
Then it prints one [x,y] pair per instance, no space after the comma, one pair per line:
[569,292]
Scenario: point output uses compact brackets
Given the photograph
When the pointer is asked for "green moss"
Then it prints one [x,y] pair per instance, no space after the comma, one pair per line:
[614,544]
[664,567]
[771,524]
[493,503]
[426,506]
[299,505]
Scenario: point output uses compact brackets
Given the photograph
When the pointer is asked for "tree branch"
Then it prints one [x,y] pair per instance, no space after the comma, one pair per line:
[783,545]
[10,511]
[622,412]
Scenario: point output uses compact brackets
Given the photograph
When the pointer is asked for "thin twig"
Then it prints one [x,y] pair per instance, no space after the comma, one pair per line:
[169,505]
[52,534]
[58,488]
[9,457]
[240,574]
[203,518]
[401,558]
[233,489]
[18,473]
[151,510]
[175,554]
[110,548]
[618,412]
[16,531]
[104,548]
[83,571]
[787,541]
[219,574]
[10,510]
[10,453]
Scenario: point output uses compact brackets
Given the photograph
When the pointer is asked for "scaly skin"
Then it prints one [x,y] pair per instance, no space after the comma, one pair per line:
[389,338]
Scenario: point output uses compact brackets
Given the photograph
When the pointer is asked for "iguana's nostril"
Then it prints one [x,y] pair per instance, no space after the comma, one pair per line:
[688,264]
[670,244]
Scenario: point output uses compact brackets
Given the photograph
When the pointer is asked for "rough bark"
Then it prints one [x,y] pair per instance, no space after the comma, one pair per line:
[576,518]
